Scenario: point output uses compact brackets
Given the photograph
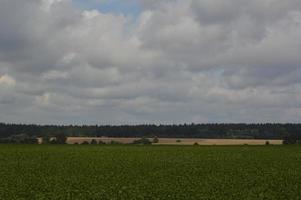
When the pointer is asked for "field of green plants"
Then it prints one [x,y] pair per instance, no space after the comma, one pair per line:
[149,172]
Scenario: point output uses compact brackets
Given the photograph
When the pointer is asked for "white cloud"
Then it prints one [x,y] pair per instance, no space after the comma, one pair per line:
[179,61]
[6,80]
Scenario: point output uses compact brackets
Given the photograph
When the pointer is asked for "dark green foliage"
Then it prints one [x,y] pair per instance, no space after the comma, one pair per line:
[46,139]
[292,139]
[156,139]
[19,139]
[53,141]
[143,141]
[113,142]
[67,172]
[267,142]
[179,141]
[196,144]
[60,138]
[5,141]
[85,143]
[93,141]
[101,142]
[243,131]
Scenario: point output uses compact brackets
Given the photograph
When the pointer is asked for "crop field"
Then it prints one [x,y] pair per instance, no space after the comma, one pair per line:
[177,141]
[149,172]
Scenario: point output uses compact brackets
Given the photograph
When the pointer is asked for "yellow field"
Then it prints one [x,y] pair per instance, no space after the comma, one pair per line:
[178,141]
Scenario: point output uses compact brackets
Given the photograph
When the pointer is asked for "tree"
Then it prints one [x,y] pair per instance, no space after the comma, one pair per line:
[292,139]
[46,139]
[20,139]
[213,131]
[60,138]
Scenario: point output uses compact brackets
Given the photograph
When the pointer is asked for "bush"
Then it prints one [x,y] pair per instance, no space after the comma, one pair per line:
[289,140]
[115,142]
[61,138]
[292,139]
[267,142]
[101,142]
[178,141]
[155,140]
[58,138]
[93,141]
[196,144]
[143,141]
[19,139]
[4,141]
[46,139]
[85,142]
[53,141]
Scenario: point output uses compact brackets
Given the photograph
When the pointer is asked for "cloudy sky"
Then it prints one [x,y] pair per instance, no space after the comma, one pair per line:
[150,61]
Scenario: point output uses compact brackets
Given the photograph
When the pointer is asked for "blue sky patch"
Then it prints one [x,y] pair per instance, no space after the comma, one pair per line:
[129,7]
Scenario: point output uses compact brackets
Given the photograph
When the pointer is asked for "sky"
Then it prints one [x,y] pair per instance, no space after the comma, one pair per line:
[128,7]
[150,61]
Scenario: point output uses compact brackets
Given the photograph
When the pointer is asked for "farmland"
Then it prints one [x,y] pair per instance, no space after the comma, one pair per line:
[176,141]
[149,172]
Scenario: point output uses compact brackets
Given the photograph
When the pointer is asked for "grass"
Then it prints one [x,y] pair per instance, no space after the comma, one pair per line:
[150,172]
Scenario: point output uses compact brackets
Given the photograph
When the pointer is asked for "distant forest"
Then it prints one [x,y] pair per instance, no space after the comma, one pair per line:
[239,131]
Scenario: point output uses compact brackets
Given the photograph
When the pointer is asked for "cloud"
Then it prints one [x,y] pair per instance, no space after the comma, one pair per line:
[7,80]
[178,61]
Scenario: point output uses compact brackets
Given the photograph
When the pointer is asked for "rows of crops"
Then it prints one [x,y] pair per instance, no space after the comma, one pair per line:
[149,172]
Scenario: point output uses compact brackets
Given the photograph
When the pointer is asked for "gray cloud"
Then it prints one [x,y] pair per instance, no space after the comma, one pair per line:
[179,61]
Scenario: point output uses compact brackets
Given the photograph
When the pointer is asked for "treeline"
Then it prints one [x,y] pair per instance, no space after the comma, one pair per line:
[239,131]
[19,139]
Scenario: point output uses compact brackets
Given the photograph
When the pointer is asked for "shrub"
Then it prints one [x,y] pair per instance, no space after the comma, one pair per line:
[61,138]
[115,142]
[19,139]
[4,140]
[289,140]
[292,139]
[93,141]
[267,142]
[46,139]
[143,141]
[155,140]
[178,141]
[85,142]
[196,144]
[101,142]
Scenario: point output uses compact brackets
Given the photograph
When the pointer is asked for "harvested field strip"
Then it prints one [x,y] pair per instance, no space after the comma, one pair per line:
[178,141]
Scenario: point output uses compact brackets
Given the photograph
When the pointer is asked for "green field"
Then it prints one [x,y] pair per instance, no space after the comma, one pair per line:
[150,172]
